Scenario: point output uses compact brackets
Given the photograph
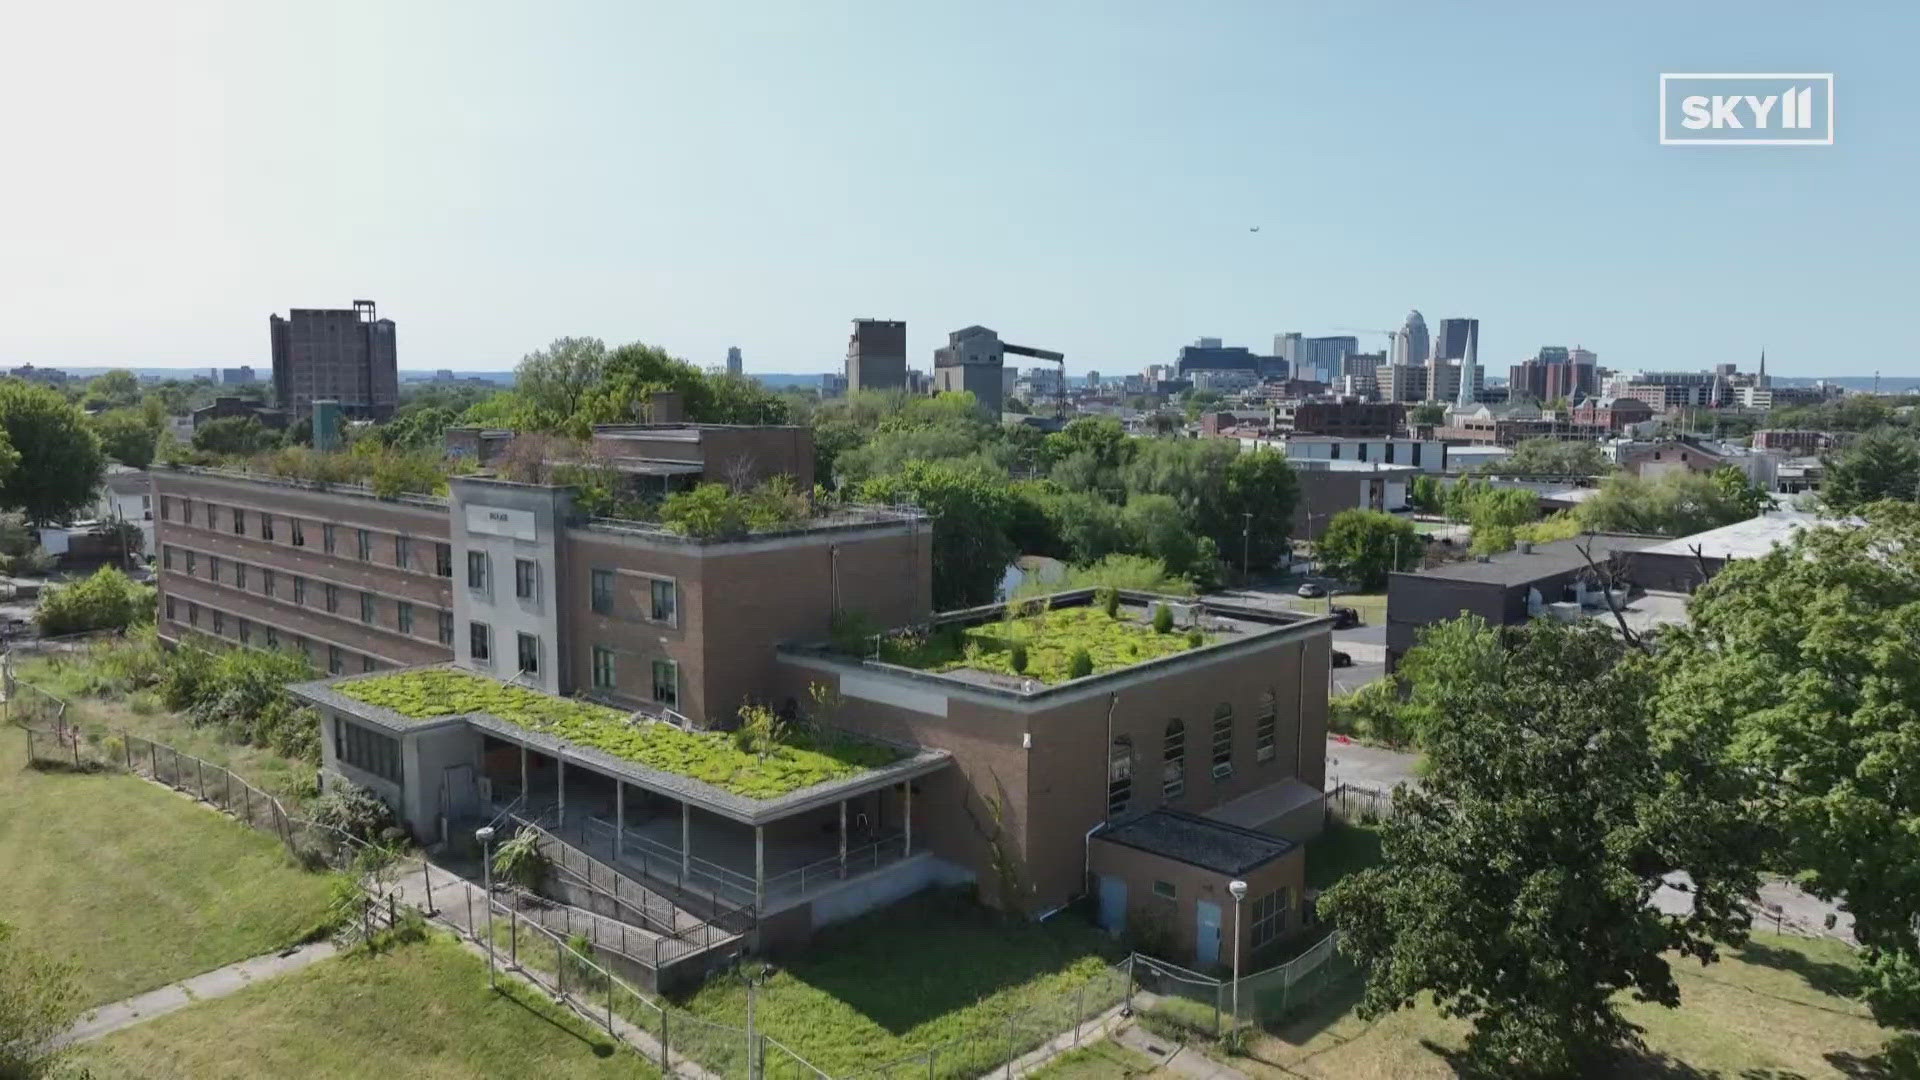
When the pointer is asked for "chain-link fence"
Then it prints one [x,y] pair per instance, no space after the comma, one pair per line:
[1205,1004]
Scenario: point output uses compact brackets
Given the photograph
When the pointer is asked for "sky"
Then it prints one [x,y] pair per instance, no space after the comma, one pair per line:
[1079,176]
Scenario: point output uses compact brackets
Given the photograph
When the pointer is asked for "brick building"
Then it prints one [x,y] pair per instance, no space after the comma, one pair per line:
[343,354]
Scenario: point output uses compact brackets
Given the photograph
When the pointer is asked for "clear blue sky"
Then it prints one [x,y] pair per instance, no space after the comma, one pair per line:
[1078,176]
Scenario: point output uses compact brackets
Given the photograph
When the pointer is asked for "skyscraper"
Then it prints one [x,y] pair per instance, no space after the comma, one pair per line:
[877,355]
[343,354]
[734,364]
[1411,343]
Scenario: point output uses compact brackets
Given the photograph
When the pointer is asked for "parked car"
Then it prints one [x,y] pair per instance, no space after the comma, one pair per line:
[1345,618]
[1341,659]
[1310,591]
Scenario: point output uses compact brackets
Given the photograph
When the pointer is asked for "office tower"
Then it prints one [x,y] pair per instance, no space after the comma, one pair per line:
[343,354]
[1410,342]
[734,363]
[1208,354]
[877,355]
[1317,359]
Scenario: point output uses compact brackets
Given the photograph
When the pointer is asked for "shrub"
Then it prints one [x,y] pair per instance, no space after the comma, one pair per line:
[520,862]
[109,600]
[1080,665]
[1109,600]
[242,692]
[353,810]
[1162,619]
[1195,638]
[1017,657]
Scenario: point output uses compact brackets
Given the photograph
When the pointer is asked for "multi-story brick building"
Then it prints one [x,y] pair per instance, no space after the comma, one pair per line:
[346,355]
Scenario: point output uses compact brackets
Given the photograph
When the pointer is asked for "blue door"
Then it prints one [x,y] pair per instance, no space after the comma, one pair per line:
[1206,933]
[1113,904]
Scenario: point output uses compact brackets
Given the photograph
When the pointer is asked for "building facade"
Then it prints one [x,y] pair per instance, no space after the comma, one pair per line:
[345,354]
[877,355]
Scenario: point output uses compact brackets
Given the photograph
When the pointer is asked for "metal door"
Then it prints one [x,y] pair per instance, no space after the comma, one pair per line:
[1206,933]
[1113,903]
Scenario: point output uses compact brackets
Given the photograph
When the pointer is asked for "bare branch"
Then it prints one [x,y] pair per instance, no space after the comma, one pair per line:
[1607,580]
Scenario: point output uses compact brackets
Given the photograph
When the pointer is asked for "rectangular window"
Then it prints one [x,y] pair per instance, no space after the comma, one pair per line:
[210,515]
[366,663]
[1416,454]
[190,562]
[1269,918]
[240,575]
[246,632]
[193,613]
[1165,890]
[366,750]
[273,638]
[443,560]
[1263,727]
[239,521]
[529,654]
[166,557]
[327,536]
[266,582]
[299,533]
[366,607]
[403,616]
[1223,742]
[170,615]
[602,668]
[213,568]
[525,575]
[480,643]
[666,683]
[603,592]
[166,508]
[305,647]
[477,570]
[446,628]
[219,622]
[266,526]
[363,544]
[403,551]
[662,596]
[299,590]
[336,660]
[331,594]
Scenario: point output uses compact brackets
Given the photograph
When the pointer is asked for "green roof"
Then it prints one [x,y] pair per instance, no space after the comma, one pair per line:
[1051,638]
[708,756]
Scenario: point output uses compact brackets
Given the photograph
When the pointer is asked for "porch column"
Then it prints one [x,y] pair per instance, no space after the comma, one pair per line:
[561,782]
[686,839]
[906,812]
[759,866]
[843,838]
[619,817]
[526,793]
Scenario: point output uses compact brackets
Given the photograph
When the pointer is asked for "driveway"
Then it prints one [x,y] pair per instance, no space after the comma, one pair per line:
[1366,766]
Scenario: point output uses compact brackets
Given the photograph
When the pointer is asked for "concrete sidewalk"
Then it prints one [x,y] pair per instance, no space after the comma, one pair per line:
[217,983]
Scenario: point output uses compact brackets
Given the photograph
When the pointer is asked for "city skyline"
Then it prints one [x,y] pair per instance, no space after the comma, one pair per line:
[701,218]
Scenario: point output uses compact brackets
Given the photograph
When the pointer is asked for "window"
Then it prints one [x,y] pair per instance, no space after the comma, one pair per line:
[166,557]
[1173,751]
[661,593]
[480,642]
[170,615]
[246,632]
[403,551]
[299,533]
[602,668]
[266,526]
[213,568]
[1269,918]
[603,592]
[1415,448]
[273,638]
[366,607]
[1223,741]
[219,622]
[529,653]
[166,508]
[193,613]
[443,560]
[331,594]
[1119,774]
[240,575]
[666,683]
[403,616]
[266,582]
[336,660]
[299,590]
[305,647]
[1165,890]
[327,536]
[186,511]
[366,663]
[210,515]
[239,521]
[1263,724]
[1389,447]
[446,627]
[190,562]
[146,508]
[525,572]
[363,544]
[477,570]
[366,750]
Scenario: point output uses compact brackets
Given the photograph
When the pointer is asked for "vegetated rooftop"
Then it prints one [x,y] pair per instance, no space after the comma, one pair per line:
[1051,638]
[712,757]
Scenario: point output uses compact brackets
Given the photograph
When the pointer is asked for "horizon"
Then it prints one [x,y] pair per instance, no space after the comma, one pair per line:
[1058,175]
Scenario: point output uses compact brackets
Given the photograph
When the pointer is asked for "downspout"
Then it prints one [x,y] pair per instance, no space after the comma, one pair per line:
[1086,842]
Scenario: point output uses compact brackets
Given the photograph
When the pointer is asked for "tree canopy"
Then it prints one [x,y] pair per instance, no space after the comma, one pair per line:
[1553,457]
[1882,464]
[1674,503]
[1364,546]
[53,461]
[128,436]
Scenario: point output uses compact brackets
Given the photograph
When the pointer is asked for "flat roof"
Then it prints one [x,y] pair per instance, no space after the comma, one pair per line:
[1518,567]
[1747,539]
[1196,841]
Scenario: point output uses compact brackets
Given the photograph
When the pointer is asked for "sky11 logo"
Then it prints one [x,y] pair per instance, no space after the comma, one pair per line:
[1746,110]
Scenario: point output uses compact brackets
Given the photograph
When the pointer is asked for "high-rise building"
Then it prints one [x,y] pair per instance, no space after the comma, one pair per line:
[1318,358]
[1207,354]
[877,355]
[734,364]
[344,354]
[1555,372]
[1410,342]
[1400,382]
[237,376]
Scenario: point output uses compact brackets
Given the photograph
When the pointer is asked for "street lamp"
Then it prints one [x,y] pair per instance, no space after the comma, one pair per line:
[485,835]
[1246,542]
[1238,889]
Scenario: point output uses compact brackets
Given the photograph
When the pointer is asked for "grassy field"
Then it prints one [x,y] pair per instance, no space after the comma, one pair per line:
[421,1010]
[136,885]
[1779,1009]
[932,970]
[1104,1060]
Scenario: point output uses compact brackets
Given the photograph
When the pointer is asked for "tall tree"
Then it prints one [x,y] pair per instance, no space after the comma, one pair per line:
[1882,464]
[972,508]
[1675,503]
[1803,668]
[115,389]
[552,384]
[1553,457]
[127,436]
[59,458]
[1517,878]
[234,435]
[1364,546]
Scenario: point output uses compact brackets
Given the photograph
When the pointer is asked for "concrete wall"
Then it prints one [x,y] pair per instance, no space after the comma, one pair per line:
[507,522]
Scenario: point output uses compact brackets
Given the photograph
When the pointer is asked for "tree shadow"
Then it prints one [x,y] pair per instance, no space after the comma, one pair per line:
[1899,1059]
[54,765]
[600,1047]
[1623,1063]
[1825,976]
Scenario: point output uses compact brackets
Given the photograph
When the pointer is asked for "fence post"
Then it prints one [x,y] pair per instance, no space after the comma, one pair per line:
[153,757]
[1009,1048]
[560,964]
[513,937]
[393,912]
[1079,1012]
[246,794]
[76,764]
[29,732]
[666,1064]
[1216,1010]
[426,877]
[470,930]
[228,797]
[610,1003]
[126,747]
[200,770]
[931,1051]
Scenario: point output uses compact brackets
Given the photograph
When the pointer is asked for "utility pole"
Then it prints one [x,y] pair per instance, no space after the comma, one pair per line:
[1246,542]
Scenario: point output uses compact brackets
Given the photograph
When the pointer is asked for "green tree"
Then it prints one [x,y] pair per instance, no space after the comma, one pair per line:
[1803,668]
[39,997]
[127,436]
[1882,464]
[1430,414]
[551,385]
[1552,457]
[1517,879]
[1157,528]
[1364,546]
[737,399]
[107,600]
[234,435]
[115,389]
[1677,503]
[54,458]
[972,508]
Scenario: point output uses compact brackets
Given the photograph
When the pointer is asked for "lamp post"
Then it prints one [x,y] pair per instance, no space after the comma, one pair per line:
[485,835]
[1238,889]
[1246,542]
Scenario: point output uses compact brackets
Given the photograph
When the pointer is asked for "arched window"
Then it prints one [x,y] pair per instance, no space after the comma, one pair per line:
[1264,723]
[1173,752]
[1223,741]
[1119,774]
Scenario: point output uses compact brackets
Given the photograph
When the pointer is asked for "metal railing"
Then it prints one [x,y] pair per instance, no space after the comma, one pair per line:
[860,860]
[669,865]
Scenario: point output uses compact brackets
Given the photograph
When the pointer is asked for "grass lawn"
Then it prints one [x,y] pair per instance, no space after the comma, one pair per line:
[1339,851]
[1103,1060]
[1779,1008]
[932,970]
[420,1010]
[136,885]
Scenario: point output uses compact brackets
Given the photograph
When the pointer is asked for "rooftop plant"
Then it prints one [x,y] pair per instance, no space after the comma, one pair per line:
[1041,644]
[804,759]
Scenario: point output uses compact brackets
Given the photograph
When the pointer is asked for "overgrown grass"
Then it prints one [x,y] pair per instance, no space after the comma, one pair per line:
[136,885]
[1104,1060]
[1340,850]
[933,970]
[800,761]
[419,1010]
[1050,640]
